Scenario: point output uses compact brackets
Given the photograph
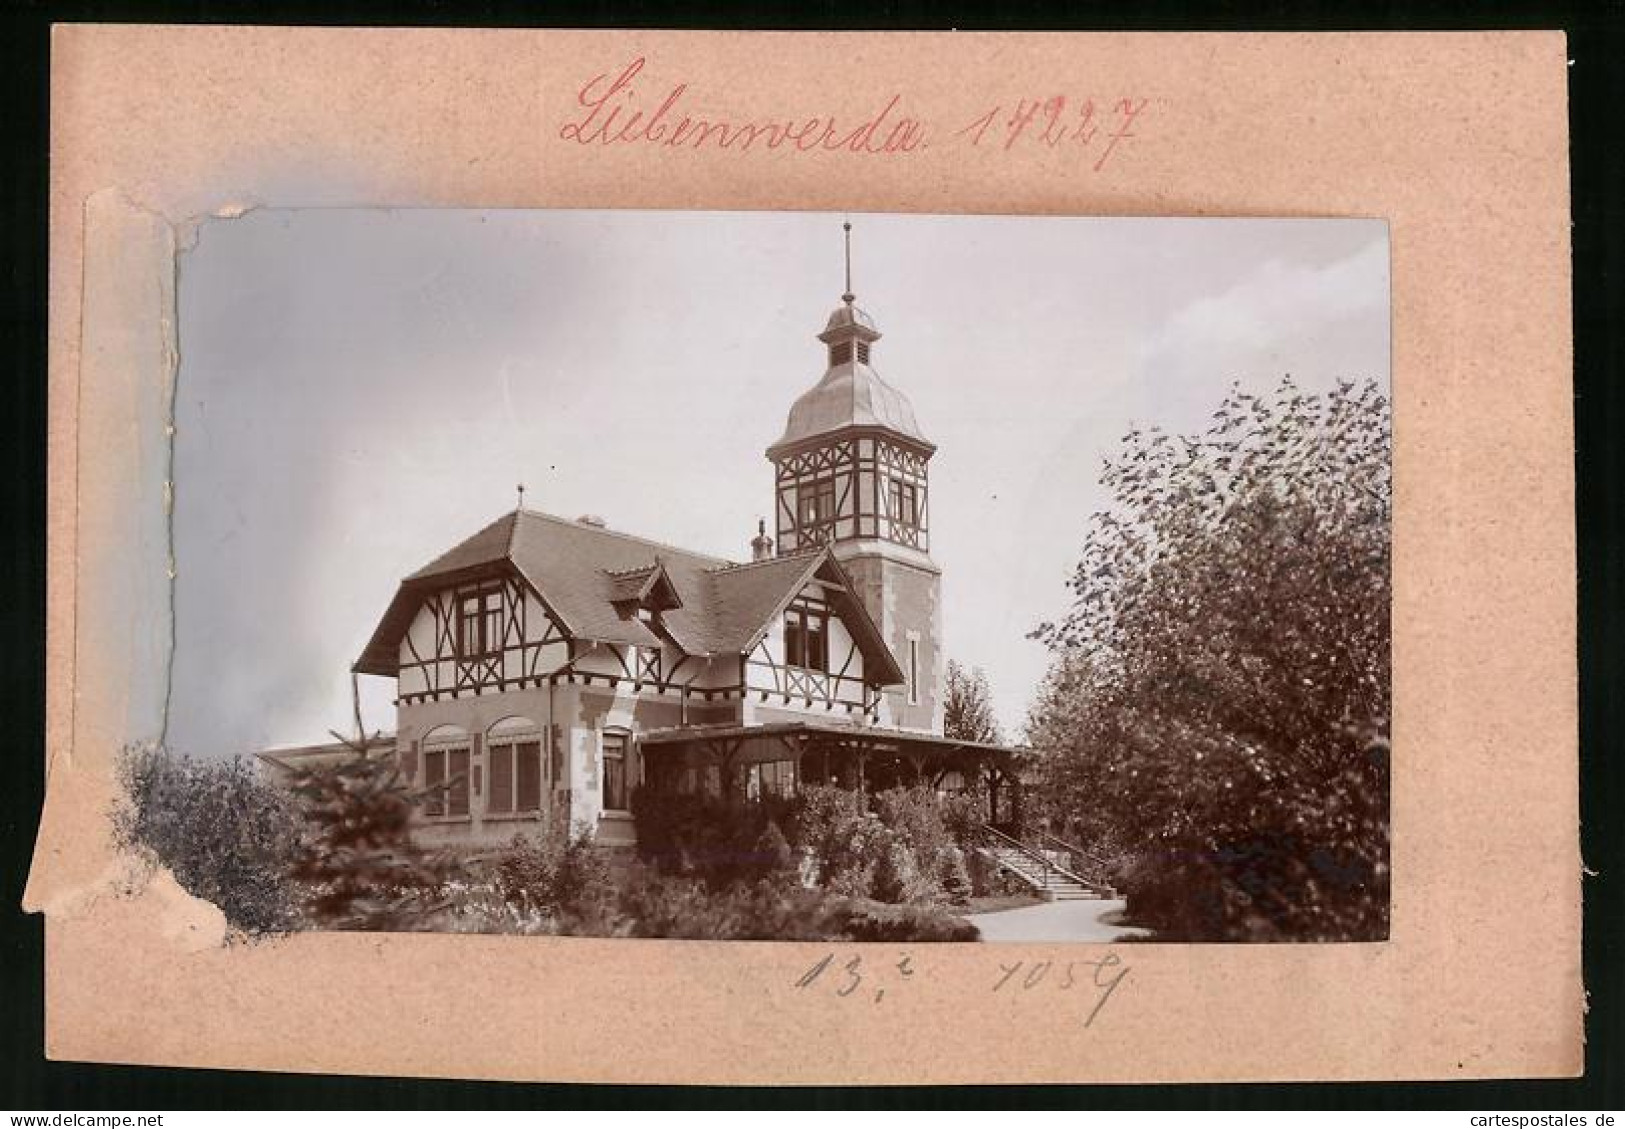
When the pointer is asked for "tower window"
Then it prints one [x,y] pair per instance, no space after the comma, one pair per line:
[817,503]
[905,502]
[840,353]
[863,352]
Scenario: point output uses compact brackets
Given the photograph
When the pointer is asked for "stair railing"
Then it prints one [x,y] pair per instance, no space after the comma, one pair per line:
[996,838]
[1101,867]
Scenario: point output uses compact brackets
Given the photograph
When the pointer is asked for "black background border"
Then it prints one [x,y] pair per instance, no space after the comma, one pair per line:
[1597,94]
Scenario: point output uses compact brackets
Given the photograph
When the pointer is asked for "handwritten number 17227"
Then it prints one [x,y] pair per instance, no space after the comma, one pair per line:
[1055,121]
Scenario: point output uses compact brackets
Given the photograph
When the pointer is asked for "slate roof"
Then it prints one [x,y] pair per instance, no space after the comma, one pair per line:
[589,578]
[851,394]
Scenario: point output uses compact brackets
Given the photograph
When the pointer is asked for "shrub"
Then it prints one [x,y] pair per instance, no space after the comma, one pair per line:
[654,904]
[1249,890]
[989,879]
[915,815]
[227,834]
[359,862]
[953,877]
[663,905]
[481,908]
[889,879]
[843,837]
[903,873]
[963,818]
[870,921]
[933,830]
[556,873]
[709,837]
[774,858]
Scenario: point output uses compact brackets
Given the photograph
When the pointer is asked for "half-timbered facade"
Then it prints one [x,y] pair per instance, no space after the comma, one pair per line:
[546,668]
[530,658]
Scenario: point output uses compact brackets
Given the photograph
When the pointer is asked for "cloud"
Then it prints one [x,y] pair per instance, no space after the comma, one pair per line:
[1316,321]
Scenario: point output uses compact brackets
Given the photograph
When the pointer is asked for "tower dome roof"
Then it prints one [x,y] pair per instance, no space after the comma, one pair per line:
[850,395]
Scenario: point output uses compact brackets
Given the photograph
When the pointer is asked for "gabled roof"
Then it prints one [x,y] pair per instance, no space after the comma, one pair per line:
[649,587]
[592,580]
[751,597]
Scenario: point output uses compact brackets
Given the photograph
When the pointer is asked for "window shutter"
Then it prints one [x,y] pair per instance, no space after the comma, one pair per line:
[457,797]
[529,770]
[499,797]
[434,775]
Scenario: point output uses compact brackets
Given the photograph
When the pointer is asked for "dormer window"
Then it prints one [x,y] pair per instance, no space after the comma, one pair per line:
[806,638]
[643,593]
[479,622]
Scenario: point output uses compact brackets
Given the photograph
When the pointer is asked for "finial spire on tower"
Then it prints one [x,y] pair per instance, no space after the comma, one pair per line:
[848,297]
[521,503]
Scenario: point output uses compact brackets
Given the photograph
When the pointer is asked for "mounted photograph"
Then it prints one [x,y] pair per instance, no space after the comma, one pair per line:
[778,576]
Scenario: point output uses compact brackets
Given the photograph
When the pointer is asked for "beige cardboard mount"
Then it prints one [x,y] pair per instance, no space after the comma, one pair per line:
[1458,140]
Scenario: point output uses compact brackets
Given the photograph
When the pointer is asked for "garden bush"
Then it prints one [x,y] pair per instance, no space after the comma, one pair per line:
[650,903]
[227,834]
[953,877]
[963,817]
[859,920]
[915,846]
[556,872]
[845,839]
[721,842]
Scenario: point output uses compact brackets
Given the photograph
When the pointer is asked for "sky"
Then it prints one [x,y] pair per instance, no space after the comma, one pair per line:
[360,389]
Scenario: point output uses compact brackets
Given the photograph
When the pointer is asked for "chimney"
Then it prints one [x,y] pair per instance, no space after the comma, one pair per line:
[761,546]
[593,520]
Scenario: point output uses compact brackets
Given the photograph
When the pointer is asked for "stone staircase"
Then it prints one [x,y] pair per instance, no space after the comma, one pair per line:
[1041,870]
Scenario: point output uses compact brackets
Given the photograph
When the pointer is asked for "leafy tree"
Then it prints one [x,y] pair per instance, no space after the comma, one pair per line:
[967,708]
[1219,700]
[225,832]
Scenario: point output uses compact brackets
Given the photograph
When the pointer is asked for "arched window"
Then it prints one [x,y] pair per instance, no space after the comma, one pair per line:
[513,766]
[446,755]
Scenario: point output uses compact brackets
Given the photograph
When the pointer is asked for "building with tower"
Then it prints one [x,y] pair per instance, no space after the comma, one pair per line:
[547,667]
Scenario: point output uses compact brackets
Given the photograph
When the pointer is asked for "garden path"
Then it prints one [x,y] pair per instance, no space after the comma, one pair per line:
[1078,920]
